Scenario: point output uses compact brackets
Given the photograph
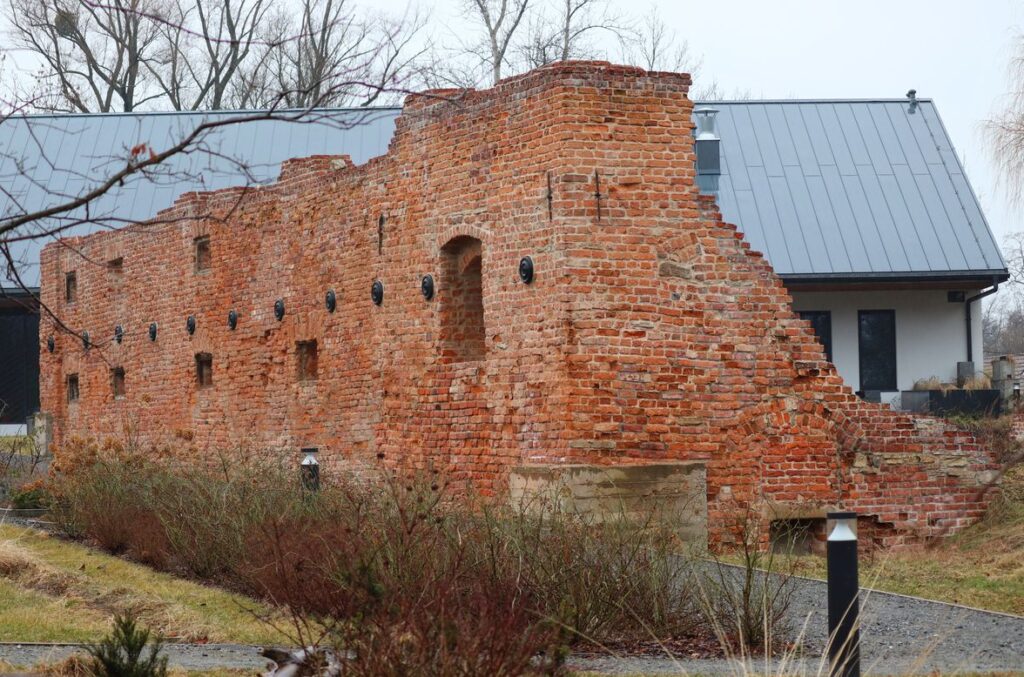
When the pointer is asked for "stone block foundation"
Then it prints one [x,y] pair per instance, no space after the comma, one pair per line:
[671,493]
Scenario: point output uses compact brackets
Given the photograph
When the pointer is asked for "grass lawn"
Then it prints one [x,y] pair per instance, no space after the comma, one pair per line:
[18,444]
[982,567]
[55,590]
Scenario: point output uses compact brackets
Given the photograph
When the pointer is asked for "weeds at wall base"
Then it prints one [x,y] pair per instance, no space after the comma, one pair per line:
[401,575]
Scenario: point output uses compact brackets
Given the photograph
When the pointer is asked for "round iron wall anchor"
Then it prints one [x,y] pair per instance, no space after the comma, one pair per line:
[279,309]
[50,344]
[331,300]
[232,319]
[526,269]
[118,333]
[85,340]
[427,286]
[190,324]
[152,331]
[377,292]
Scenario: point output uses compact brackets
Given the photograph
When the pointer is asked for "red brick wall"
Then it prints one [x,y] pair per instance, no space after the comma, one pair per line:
[651,331]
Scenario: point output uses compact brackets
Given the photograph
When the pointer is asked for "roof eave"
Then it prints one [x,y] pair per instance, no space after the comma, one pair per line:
[19,292]
[985,277]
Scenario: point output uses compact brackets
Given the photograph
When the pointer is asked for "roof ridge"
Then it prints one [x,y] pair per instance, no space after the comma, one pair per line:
[742,102]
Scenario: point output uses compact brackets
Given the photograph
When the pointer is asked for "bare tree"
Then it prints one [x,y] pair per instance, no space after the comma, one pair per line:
[334,44]
[653,45]
[500,19]
[1006,130]
[564,36]
[95,56]
[1003,318]
[1013,252]
[204,46]
[1003,326]
[107,55]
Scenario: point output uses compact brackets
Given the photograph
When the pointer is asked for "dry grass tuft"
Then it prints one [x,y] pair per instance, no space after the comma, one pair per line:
[932,383]
[978,382]
[14,560]
[66,592]
[19,566]
[75,665]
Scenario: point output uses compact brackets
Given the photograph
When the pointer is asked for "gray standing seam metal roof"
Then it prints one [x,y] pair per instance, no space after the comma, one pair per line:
[825,189]
[850,189]
[48,159]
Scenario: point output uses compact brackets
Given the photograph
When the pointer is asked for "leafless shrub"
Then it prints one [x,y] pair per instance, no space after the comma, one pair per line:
[394,571]
[748,603]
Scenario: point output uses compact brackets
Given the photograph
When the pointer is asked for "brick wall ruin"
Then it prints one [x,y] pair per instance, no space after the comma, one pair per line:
[651,332]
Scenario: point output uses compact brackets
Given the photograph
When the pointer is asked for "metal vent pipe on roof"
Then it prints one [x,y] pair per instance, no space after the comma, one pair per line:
[709,154]
[912,97]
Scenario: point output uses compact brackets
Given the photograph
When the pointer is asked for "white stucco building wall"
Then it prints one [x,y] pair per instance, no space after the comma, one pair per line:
[931,333]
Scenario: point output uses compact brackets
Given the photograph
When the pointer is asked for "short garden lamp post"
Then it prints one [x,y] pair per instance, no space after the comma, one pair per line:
[310,469]
[843,596]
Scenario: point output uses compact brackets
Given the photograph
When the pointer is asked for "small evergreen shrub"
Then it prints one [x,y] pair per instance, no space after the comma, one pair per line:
[31,496]
[123,652]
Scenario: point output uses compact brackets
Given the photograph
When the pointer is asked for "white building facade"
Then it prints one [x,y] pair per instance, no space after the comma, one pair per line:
[887,340]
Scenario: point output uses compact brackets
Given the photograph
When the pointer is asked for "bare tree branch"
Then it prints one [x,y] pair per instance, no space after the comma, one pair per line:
[118,55]
[565,35]
[1006,131]
[95,57]
[500,20]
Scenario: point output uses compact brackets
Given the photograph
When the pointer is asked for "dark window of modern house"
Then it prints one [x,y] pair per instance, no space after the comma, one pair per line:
[70,287]
[821,322]
[204,370]
[203,259]
[306,360]
[876,333]
[72,387]
[117,381]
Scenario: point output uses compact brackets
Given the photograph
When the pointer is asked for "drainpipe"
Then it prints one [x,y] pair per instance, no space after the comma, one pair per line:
[967,316]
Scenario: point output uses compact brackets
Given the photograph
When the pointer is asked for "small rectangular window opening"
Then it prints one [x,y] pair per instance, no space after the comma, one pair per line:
[306,360]
[204,370]
[117,381]
[70,287]
[115,266]
[203,258]
[72,387]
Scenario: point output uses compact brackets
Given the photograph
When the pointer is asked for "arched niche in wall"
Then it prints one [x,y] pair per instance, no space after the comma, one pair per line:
[461,300]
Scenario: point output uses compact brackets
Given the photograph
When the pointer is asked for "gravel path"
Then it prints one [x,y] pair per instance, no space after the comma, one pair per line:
[901,635]
[187,656]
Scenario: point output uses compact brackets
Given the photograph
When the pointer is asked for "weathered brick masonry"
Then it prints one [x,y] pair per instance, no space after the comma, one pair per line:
[650,333]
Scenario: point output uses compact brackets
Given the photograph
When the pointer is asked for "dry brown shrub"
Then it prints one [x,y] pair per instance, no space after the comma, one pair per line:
[978,382]
[75,665]
[930,383]
[15,560]
[395,569]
